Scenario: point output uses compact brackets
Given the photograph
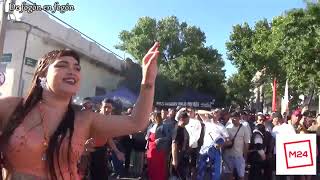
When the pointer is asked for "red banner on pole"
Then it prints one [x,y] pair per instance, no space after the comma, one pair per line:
[274,95]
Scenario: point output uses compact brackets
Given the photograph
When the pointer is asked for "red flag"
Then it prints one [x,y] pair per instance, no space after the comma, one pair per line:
[274,95]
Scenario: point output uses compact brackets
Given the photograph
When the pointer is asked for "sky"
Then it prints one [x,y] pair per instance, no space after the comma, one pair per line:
[103,20]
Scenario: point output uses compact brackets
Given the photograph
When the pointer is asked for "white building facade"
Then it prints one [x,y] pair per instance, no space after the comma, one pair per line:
[30,36]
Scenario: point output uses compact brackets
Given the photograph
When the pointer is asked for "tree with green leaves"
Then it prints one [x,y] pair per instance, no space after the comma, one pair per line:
[288,48]
[185,60]
[238,90]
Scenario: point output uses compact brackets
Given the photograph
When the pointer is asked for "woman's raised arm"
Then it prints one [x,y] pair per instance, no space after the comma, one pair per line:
[111,126]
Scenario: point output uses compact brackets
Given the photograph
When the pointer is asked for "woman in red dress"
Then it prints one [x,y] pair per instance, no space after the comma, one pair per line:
[159,141]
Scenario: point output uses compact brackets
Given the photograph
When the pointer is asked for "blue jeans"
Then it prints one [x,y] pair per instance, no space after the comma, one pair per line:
[215,158]
[117,164]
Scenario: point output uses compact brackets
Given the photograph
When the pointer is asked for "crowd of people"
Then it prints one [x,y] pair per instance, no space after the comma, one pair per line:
[189,143]
[44,136]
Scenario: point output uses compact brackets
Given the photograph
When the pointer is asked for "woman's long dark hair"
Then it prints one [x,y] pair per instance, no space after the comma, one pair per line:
[34,96]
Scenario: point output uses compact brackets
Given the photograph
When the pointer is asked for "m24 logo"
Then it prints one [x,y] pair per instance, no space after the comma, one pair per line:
[293,151]
[298,154]
[295,154]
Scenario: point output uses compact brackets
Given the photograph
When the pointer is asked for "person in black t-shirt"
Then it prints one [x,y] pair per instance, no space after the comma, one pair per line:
[180,147]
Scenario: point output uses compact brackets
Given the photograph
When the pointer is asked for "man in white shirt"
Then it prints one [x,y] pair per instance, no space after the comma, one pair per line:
[214,137]
[235,157]
[280,129]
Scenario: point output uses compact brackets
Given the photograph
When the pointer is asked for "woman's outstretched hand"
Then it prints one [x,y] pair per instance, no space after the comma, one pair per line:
[150,66]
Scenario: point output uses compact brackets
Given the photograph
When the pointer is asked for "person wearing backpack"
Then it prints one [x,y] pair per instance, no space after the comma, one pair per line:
[257,153]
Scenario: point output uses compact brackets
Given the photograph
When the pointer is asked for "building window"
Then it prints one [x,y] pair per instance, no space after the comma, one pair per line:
[31,62]
[100,91]
[6,58]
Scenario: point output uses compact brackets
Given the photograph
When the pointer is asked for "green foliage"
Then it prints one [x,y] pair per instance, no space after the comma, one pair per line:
[288,48]
[185,60]
[238,90]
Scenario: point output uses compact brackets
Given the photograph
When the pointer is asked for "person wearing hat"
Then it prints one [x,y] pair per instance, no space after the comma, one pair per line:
[215,136]
[180,147]
[235,155]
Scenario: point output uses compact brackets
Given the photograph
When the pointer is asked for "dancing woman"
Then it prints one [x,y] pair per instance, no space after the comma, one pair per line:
[42,137]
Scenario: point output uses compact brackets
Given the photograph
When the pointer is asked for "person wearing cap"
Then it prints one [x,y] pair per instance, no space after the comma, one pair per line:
[235,155]
[215,136]
[180,147]
[280,129]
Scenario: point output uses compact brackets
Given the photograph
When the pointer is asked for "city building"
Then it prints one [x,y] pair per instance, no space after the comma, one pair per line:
[30,36]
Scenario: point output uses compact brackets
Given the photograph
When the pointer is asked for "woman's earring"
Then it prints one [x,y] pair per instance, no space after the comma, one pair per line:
[43,83]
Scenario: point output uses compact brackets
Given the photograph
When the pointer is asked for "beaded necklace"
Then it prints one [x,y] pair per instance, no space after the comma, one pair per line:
[45,134]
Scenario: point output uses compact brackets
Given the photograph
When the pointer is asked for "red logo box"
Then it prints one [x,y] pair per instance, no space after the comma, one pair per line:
[297,143]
